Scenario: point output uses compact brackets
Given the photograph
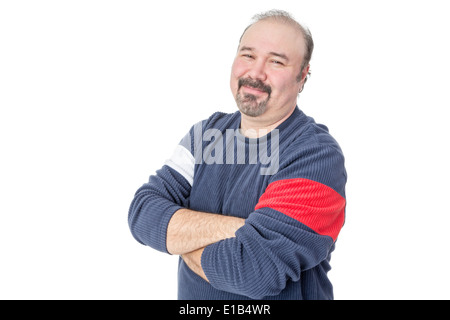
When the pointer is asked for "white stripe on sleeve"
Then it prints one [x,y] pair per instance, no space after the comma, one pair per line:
[183,162]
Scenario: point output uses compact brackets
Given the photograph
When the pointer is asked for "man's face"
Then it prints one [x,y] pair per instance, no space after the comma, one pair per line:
[265,70]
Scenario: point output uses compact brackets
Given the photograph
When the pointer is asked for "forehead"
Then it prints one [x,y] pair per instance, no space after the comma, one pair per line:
[274,36]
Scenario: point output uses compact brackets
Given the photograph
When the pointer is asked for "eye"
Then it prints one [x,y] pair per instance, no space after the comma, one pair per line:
[247,55]
[276,62]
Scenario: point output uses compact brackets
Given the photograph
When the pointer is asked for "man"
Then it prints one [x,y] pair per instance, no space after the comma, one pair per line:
[246,224]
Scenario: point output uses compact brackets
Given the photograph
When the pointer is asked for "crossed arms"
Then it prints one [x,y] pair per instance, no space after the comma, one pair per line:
[292,228]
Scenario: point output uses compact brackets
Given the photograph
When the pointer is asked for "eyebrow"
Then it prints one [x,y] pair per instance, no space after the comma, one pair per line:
[276,54]
[247,49]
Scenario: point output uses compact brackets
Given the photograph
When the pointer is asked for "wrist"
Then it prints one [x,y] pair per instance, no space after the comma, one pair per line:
[194,262]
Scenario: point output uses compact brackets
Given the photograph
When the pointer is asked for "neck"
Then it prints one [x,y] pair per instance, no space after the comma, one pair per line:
[255,127]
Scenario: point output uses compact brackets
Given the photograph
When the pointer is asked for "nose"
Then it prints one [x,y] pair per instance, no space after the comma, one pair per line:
[257,71]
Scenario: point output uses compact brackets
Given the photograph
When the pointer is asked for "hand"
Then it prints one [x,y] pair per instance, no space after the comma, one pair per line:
[194,261]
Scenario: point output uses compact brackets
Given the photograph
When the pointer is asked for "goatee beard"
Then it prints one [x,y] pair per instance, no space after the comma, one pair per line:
[248,103]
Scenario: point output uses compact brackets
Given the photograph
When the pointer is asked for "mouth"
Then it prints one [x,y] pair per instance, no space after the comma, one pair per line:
[252,90]
[255,87]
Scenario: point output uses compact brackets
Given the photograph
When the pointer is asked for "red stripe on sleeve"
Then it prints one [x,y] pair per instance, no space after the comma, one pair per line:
[314,204]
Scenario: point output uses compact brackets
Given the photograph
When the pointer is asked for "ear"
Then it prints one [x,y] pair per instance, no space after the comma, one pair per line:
[304,75]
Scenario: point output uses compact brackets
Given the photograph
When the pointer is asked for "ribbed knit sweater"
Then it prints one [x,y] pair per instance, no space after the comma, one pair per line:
[289,185]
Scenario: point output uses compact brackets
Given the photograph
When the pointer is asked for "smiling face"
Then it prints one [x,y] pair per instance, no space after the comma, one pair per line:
[264,76]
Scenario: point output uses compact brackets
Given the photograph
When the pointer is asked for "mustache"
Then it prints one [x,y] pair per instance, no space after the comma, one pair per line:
[257,84]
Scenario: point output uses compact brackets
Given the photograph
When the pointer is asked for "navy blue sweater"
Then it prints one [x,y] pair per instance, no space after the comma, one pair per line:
[289,185]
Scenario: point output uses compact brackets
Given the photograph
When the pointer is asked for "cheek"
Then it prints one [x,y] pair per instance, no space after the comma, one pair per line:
[237,71]
[287,82]
[239,68]
[283,87]
[233,83]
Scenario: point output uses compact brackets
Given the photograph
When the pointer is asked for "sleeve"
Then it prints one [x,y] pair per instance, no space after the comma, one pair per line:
[166,192]
[293,228]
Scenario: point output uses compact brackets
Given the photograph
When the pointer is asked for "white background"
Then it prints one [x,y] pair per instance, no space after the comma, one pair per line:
[95,95]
